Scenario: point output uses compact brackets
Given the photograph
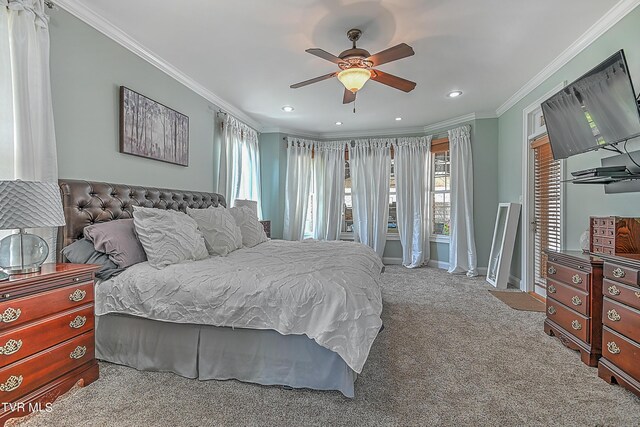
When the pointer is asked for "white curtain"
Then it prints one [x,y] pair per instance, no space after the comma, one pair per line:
[328,189]
[413,187]
[27,133]
[239,174]
[370,165]
[297,187]
[462,247]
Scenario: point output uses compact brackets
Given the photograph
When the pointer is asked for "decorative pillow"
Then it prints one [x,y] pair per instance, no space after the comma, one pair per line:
[82,252]
[117,239]
[220,231]
[252,230]
[168,237]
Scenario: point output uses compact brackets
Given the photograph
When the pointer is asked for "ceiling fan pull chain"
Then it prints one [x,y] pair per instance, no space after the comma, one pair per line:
[354,106]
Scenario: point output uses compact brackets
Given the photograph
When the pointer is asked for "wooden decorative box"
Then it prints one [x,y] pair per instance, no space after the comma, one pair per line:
[614,235]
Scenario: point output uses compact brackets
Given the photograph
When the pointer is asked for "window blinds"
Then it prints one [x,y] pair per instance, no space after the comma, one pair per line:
[547,199]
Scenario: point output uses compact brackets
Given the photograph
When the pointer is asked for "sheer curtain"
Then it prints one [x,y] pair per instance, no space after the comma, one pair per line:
[413,186]
[370,165]
[239,174]
[328,188]
[462,248]
[27,133]
[297,187]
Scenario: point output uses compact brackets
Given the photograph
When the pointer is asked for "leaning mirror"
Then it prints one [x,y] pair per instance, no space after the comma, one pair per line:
[504,238]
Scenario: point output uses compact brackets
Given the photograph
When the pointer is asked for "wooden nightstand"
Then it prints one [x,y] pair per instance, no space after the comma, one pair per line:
[46,337]
[267,227]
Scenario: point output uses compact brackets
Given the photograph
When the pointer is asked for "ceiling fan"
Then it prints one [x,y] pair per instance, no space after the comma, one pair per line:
[356,67]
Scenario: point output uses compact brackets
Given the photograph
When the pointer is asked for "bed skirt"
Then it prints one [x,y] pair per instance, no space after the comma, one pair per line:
[210,352]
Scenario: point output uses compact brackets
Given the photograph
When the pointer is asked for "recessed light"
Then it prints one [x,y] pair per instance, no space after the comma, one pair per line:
[287,108]
[454,93]
[398,119]
[338,123]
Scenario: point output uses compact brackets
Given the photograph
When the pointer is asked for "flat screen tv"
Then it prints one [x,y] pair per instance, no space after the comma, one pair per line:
[598,109]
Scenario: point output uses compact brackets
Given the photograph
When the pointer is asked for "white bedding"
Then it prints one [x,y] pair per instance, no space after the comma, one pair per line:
[329,291]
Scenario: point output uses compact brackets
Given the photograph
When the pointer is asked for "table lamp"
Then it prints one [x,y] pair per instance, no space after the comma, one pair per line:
[27,204]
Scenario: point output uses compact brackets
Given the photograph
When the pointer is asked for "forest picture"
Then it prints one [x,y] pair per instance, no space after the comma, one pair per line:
[150,129]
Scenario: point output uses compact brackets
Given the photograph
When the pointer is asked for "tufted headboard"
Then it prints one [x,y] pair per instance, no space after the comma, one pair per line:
[86,202]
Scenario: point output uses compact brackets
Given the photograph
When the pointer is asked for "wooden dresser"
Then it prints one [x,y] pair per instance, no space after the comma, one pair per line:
[46,337]
[620,362]
[574,302]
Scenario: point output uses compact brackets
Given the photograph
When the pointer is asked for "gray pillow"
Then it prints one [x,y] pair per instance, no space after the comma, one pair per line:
[82,252]
[117,239]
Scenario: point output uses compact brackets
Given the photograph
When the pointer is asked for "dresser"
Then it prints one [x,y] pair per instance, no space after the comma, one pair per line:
[574,302]
[620,362]
[46,337]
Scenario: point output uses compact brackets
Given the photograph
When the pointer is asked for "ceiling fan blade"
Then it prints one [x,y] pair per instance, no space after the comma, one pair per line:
[324,55]
[393,81]
[310,81]
[392,54]
[348,97]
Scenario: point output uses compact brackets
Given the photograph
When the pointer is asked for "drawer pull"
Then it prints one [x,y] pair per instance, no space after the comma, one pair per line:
[613,347]
[10,315]
[552,289]
[637,294]
[618,273]
[613,290]
[77,295]
[551,310]
[77,279]
[576,325]
[11,383]
[613,315]
[78,352]
[78,322]
[576,300]
[552,270]
[576,279]
[10,347]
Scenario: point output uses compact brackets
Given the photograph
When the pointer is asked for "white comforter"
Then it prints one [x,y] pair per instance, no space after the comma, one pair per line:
[329,291]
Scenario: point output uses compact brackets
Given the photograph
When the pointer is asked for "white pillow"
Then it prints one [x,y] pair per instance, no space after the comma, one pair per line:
[220,231]
[252,230]
[168,237]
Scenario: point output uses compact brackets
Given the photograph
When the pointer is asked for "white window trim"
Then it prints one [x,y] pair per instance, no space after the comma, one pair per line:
[346,235]
[440,238]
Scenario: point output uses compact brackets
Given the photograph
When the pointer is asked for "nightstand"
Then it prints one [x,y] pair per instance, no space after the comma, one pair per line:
[46,337]
[267,227]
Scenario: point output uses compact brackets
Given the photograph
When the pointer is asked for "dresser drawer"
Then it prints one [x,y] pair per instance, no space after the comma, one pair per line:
[572,322]
[621,274]
[22,310]
[569,296]
[28,374]
[621,318]
[604,241]
[567,275]
[16,344]
[629,295]
[623,352]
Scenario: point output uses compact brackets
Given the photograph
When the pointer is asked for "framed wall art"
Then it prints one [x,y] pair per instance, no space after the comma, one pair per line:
[153,130]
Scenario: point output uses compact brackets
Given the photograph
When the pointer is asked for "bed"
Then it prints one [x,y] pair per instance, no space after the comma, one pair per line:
[236,317]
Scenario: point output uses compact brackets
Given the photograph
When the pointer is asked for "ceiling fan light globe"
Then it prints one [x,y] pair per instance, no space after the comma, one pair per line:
[354,79]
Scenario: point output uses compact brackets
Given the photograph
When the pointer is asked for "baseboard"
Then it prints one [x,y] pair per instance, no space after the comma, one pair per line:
[443,265]
[391,261]
[482,271]
[515,281]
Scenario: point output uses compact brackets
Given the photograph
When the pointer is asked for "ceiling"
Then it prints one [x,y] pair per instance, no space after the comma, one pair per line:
[248,52]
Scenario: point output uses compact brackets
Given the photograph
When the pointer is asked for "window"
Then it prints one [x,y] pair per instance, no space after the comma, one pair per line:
[392,224]
[547,206]
[441,188]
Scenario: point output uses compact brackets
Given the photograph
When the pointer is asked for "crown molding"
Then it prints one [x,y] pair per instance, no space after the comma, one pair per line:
[608,20]
[374,133]
[107,28]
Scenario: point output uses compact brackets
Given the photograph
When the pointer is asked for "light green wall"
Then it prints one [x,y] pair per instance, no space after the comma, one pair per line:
[273,164]
[87,70]
[580,201]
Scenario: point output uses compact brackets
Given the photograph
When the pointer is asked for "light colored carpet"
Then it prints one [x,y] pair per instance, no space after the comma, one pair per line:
[451,354]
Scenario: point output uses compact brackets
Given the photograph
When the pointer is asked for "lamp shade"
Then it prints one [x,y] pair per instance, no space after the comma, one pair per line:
[30,204]
[354,78]
[251,204]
